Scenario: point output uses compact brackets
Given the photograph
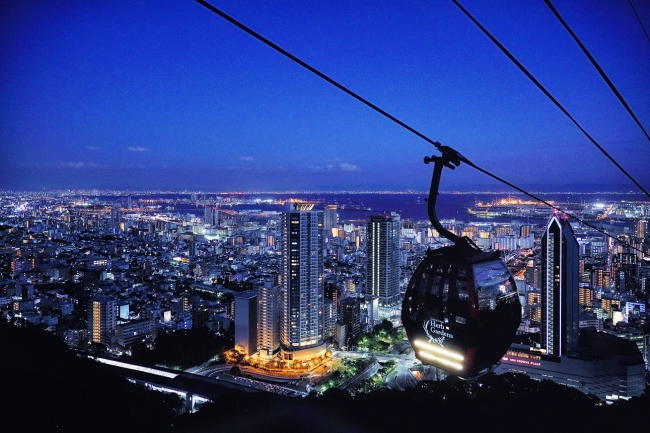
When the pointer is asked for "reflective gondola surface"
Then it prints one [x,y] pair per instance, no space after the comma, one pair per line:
[461,310]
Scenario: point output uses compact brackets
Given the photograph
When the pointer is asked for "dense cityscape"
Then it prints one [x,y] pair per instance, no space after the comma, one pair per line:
[119,277]
[216,216]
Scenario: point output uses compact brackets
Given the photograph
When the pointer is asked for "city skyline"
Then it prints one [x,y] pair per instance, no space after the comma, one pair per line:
[167,95]
[170,275]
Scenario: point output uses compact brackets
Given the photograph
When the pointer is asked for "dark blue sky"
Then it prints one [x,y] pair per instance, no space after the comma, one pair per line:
[165,94]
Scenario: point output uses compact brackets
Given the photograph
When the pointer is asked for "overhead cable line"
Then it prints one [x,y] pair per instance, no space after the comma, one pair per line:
[314,70]
[597,66]
[436,144]
[637,17]
[547,93]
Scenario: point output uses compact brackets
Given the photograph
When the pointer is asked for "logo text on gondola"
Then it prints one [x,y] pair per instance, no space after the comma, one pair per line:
[436,331]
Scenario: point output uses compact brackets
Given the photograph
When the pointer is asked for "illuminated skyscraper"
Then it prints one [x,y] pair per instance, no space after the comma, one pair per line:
[613,367]
[102,320]
[382,255]
[560,277]
[268,319]
[301,331]
[330,219]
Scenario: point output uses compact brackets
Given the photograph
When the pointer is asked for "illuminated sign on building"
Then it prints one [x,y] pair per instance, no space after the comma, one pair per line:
[522,358]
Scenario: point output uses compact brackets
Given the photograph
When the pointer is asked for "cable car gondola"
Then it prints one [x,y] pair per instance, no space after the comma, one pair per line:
[461,309]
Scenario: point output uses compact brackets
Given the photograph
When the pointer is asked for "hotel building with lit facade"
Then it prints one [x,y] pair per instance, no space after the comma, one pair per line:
[560,281]
[590,361]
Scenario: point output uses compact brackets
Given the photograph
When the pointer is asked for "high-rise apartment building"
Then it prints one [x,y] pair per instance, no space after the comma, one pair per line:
[560,277]
[382,258]
[350,314]
[534,274]
[114,223]
[369,313]
[268,318]
[192,248]
[330,317]
[211,215]
[330,219]
[301,331]
[585,296]
[134,332]
[246,322]
[102,320]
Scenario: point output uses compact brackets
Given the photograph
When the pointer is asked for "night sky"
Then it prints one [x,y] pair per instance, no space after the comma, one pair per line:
[146,94]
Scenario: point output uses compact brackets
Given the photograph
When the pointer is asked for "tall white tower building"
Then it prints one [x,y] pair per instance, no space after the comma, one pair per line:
[301,331]
[560,303]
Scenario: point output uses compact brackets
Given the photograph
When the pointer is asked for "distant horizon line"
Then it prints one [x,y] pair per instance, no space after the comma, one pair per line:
[119,191]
